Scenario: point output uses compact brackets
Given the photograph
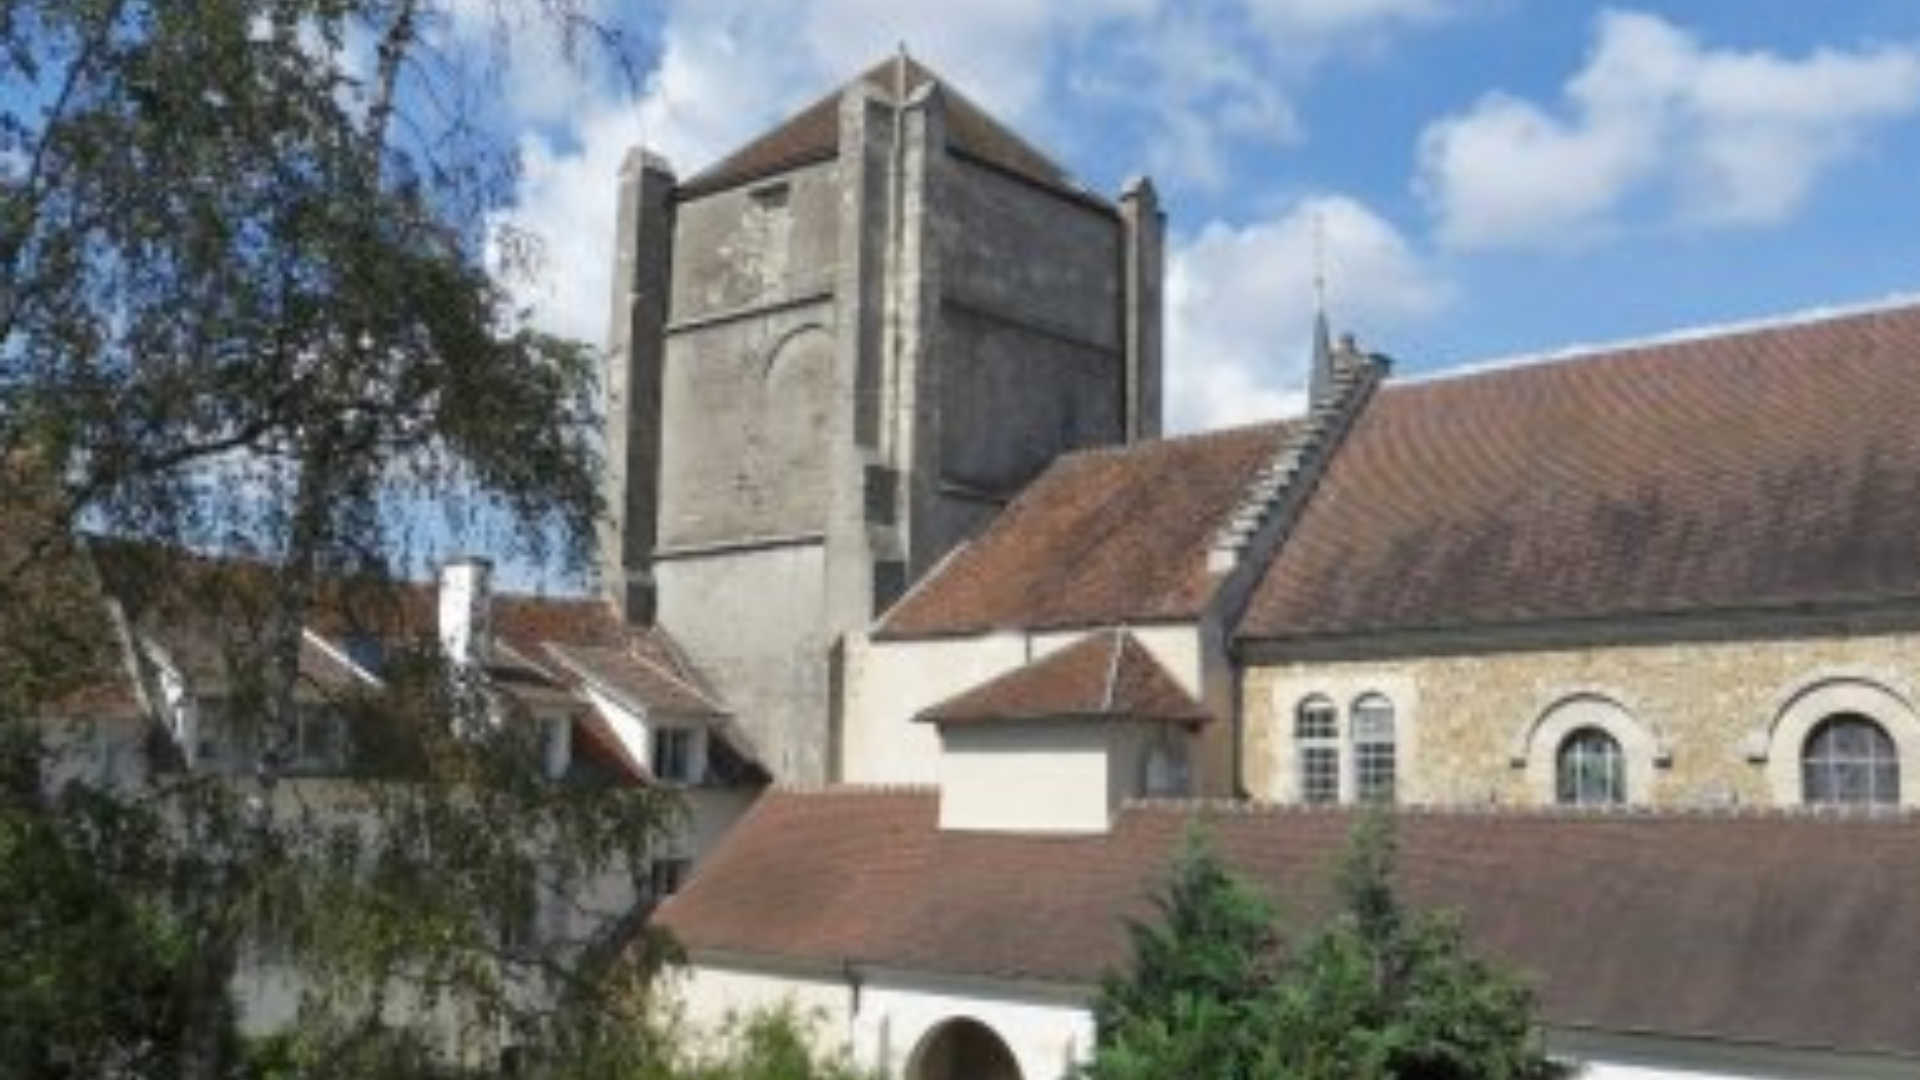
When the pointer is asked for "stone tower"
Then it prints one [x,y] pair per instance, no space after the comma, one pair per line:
[834,355]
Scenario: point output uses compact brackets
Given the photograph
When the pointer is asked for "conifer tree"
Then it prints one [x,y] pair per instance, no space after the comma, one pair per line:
[1191,1002]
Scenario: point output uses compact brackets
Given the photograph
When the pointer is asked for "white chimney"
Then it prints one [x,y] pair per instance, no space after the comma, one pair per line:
[466,602]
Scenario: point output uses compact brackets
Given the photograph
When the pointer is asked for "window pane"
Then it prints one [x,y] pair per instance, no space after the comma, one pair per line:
[1849,761]
[1315,720]
[1374,759]
[1319,774]
[1590,770]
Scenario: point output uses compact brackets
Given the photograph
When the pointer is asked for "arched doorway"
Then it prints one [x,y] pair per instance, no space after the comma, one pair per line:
[962,1050]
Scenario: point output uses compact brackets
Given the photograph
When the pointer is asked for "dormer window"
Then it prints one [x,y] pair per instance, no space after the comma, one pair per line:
[677,755]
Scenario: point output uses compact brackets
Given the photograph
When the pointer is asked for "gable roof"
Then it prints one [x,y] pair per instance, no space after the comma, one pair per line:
[1104,676]
[1775,929]
[813,135]
[1769,469]
[1102,537]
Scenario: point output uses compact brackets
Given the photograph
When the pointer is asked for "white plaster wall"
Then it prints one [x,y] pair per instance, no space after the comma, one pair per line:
[1048,1032]
[1048,1029]
[887,683]
[1038,777]
[709,996]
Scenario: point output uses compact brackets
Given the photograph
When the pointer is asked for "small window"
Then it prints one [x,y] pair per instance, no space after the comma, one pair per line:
[665,875]
[1590,770]
[1850,761]
[1316,733]
[1375,762]
[674,753]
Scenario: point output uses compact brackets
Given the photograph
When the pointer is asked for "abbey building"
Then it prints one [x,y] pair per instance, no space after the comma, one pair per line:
[1630,636]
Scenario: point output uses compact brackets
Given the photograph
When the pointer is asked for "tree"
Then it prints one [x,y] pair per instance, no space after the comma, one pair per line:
[1192,1003]
[1377,993]
[246,305]
[1384,993]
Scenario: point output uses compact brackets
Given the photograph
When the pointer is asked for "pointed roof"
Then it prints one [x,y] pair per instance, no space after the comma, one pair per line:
[1104,676]
[813,135]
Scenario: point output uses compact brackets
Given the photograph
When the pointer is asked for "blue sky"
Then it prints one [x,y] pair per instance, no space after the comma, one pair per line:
[1492,177]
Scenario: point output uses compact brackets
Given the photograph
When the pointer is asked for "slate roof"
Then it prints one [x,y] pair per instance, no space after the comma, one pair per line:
[1776,929]
[813,135]
[1769,469]
[1102,537]
[1105,676]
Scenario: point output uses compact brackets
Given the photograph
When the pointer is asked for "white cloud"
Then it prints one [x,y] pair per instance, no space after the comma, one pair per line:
[1712,137]
[1212,77]
[1240,305]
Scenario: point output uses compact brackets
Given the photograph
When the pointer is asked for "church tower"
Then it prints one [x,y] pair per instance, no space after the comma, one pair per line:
[834,355]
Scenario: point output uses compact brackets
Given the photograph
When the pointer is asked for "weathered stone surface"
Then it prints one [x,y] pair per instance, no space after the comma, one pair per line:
[856,362]
[1467,720]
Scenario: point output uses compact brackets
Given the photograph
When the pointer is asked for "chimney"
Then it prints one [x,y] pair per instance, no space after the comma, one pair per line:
[466,602]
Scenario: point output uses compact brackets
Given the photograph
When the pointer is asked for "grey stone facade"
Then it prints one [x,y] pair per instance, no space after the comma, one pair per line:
[826,369]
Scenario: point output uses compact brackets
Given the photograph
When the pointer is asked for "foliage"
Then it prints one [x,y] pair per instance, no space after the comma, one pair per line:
[90,964]
[1383,993]
[1192,1004]
[1377,993]
[246,304]
[774,1044]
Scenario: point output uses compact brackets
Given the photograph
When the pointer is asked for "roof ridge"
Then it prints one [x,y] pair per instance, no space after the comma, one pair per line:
[1838,815]
[1119,635]
[1685,335]
[683,671]
[856,788]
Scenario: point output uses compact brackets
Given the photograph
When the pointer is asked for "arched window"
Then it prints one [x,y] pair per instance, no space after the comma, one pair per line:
[1316,736]
[1374,760]
[1849,761]
[1590,770]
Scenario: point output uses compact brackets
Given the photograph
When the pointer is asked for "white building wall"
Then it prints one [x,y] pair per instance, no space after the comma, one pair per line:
[888,683]
[1030,777]
[1049,1028]
[891,1014]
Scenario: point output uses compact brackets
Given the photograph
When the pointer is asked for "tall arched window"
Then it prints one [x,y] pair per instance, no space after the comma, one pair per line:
[1316,737]
[1589,770]
[1374,760]
[1849,761]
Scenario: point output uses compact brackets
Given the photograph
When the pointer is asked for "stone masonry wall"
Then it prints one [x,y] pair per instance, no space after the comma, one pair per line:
[1719,714]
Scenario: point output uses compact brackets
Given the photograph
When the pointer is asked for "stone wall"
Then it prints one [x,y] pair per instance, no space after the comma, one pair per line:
[1715,723]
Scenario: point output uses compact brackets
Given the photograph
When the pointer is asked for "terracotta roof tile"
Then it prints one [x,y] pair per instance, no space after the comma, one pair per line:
[1771,468]
[1104,676]
[1102,537]
[813,135]
[1772,929]
[645,672]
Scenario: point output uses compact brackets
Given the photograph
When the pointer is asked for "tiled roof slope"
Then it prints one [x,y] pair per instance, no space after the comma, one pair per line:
[813,135]
[1688,926]
[1765,469]
[645,671]
[1105,676]
[1102,537]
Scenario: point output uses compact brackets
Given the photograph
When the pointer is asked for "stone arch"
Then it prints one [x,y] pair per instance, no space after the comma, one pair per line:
[795,407]
[1803,708]
[962,1049]
[1537,746]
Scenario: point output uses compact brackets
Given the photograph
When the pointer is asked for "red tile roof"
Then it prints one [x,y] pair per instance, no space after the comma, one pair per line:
[645,671]
[1788,931]
[813,135]
[1104,676]
[1102,537]
[1768,469]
